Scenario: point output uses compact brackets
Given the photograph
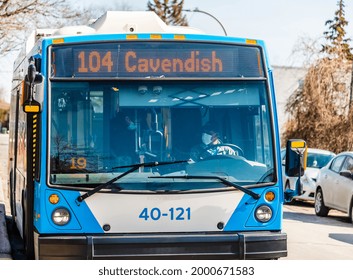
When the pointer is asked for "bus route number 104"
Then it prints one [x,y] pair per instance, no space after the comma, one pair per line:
[173,214]
[95,61]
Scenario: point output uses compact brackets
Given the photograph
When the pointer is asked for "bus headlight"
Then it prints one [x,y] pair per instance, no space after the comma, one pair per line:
[263,213]
[60,216]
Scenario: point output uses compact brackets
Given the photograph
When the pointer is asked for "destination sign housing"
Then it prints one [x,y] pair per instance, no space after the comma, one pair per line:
[155,59]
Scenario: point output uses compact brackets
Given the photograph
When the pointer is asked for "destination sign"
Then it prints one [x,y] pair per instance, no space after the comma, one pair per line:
[156,59]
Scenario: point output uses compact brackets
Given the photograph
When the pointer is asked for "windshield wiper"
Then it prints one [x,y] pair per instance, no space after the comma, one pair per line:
[132,169]
[222,180]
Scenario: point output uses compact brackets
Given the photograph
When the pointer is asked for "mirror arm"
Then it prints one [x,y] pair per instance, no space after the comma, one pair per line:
[299,186]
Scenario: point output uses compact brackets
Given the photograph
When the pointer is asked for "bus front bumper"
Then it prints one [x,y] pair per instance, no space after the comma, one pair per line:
[245,245]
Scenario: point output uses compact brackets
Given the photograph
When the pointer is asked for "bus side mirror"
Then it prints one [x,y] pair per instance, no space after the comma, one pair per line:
[32,78]
[296,155]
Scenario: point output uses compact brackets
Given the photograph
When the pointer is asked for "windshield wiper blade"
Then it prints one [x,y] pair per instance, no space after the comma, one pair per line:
[222,180]
[151,164]
[132,169]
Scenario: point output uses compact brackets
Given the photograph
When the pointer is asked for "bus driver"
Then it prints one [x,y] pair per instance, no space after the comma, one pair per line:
[211,145]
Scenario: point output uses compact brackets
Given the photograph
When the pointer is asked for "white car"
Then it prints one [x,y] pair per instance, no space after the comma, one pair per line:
[316,159]
[335,186]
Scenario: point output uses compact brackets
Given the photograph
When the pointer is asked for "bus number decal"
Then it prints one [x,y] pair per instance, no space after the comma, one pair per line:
[173,214]
[93,61]
[78,163]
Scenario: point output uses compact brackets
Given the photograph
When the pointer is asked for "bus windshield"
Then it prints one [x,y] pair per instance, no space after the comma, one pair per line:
[222,128]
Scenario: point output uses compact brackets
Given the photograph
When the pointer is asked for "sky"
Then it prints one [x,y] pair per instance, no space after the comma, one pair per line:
[280,23]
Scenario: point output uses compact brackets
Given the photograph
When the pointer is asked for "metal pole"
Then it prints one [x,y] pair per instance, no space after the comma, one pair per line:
[196,10]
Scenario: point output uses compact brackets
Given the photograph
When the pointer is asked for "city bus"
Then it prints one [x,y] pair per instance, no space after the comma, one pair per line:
[131,139]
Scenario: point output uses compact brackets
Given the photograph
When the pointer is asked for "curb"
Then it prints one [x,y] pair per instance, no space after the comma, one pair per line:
[5,248]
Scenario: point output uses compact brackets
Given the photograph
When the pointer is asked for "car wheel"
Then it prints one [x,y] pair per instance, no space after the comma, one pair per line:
[351,212]
[320,208]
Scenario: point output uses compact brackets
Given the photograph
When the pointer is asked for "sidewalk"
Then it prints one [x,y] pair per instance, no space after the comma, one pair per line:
[5,248]
[4,148]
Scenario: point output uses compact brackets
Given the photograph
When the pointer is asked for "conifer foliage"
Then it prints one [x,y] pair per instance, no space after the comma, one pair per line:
[337,43]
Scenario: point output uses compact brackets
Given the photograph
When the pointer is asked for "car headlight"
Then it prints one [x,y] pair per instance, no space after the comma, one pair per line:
[263,213]
[61,216]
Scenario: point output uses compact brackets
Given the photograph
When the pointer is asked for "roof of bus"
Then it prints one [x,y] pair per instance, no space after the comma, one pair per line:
[117,22]
[122,25]
[136,21]
[149,36]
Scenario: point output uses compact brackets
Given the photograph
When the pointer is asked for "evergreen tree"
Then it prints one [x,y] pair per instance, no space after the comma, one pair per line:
[337,44]
[169,11]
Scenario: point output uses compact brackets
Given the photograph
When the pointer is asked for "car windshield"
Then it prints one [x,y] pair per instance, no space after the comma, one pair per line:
[219,128]
[317,160]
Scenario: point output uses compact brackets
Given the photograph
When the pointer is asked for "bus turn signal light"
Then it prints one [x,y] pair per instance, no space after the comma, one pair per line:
[270,196]
[54,199]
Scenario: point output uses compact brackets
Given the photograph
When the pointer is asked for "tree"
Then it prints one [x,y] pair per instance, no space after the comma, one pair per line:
[319,110]
[337,43]
[17,17]
[169,11]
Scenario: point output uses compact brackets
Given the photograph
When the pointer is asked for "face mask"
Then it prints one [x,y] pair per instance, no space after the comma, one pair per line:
[206,138]
[131,126]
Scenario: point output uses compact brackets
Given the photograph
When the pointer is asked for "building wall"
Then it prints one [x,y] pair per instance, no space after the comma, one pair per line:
[287,80]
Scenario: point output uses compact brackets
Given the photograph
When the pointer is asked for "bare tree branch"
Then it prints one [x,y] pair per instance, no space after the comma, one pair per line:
[319,109]
[18,17]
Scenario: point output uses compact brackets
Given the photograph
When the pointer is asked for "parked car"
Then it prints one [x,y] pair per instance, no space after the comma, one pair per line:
[335,186]
[316,159]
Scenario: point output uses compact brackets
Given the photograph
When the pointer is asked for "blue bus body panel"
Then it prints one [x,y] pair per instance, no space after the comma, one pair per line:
[86,220]
[82,219]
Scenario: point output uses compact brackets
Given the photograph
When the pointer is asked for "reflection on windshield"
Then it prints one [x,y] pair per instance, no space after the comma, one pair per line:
[222,128]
